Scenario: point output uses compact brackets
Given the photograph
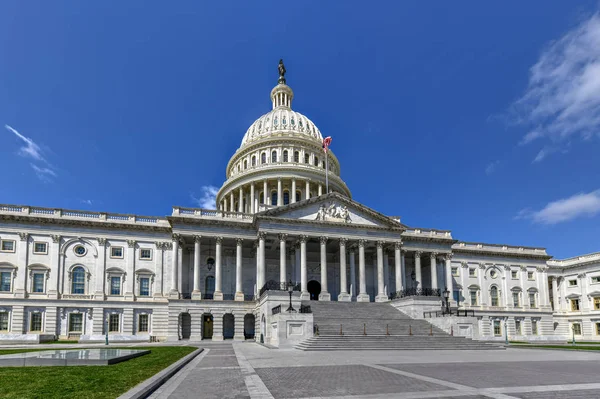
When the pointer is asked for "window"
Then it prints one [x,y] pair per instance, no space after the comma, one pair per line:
[497,329]
[273,156]
[144,286]
[597,303]
[115,285]
[514,274]
[473,295]
[113,323]
[493,273]
[253,160]
[286,197]
[576,328]
[263,157]
[472,272]
[518,327]
[306,158]
[530,276]
[532,300]
[455,271]
[38,282]
[36,322]
[239,168]
[143,323]
[323,164]
[534,327]
[79,250]
[116,252]
[296,156]
[5,281]
[316,161]
[575,304]
[494,296]
[285,156]
[516,299]
[40,248]
[245,164]
[3,321]
[76,322]
[274,198]
[597,325]
[572,283]
[78,280]
[7,246]
[209,287]
[595,279]
[146,254]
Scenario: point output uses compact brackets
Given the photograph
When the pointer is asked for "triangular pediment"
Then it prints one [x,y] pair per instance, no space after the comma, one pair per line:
[332,208]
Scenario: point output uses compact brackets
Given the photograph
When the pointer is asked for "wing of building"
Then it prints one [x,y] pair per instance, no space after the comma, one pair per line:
[282,223]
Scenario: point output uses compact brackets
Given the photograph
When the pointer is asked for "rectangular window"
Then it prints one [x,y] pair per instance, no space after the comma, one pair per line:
[38,282]
[115,286]
[529,275]
[531,300]
[597,303]
[144,286]
[595,279]
[497,329]
[455,271]
[113,323]
[494,300]
[76,322]
[597,328]
[36,322]
[574,304]
[534,327]
[572,283]
[473,294]
[514,274]
[576,328]
[7,246]
[518,327]
[3,321]
[146,254]
[116,252]
[516,301]
[40,248]
[5,281]
[143,323]
[472,272]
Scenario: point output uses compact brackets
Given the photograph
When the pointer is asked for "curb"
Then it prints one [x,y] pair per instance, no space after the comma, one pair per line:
[553,349]
[145,388]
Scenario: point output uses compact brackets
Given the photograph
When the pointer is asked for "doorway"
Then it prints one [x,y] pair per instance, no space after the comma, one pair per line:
[314,289]
[228,326]
[207,326]
[186,325]
[249,326]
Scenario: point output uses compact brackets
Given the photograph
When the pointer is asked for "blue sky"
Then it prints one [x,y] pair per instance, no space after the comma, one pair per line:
[478,117]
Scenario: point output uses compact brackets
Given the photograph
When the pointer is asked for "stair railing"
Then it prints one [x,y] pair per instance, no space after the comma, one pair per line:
[364,328]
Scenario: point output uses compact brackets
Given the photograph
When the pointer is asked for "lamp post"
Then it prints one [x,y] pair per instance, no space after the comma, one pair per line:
[573,329]
[290,288]
[506,331]
[447,298]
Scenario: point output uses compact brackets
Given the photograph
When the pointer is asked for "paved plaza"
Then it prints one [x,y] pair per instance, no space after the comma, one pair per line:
[249,370]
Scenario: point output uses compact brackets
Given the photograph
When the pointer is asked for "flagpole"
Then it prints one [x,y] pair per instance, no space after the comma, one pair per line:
[326,172]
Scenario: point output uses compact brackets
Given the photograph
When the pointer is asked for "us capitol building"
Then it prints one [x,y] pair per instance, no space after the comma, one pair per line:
[220,273]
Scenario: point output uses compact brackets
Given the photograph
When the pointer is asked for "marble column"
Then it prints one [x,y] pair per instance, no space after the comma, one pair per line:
[218,295]
[241,201]
[252,201]
[293,193]
[304,295]
[196,293]
[282,260]
[20,282]
[320,190]
[555,294]
[381,297]
[174,292]
[343,295]
[433,263]
[386,272]
[261,259]
[160,273]
[418,269]
[324,295]
[307,194]
[398,266]
[100,276]
[362,292]
[403,268]
[265,195]
[449,283]
[239,292]
[53,283]
[231,202]
[279,193]
[352,272]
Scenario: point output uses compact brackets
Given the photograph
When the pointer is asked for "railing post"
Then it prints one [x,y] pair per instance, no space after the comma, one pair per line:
[365,329]
[431,330]
[452,331]
[409,329]
[341,331]
[387,329]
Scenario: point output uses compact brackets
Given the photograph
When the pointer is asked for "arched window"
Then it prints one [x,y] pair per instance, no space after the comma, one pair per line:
[274,198]
[253,160]
[316,161]
[78,280]
[262,198]
[273,156]
[298,196]
[494,296]
[263,157]
[306,158]
[296,156]
[286,197]
[285,156]
[245,164]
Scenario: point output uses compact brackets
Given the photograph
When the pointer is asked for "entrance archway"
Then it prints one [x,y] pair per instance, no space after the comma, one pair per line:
[207,326]
[314,289]
[186,325]
[228,326]
[249,326]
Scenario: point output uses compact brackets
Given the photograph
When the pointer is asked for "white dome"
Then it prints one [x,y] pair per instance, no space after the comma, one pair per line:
[282,120]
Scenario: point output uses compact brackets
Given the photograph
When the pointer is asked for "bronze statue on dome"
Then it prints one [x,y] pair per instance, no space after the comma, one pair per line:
[282,71]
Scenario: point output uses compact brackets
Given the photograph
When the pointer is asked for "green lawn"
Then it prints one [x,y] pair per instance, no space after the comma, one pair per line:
[85,381]
[570,347]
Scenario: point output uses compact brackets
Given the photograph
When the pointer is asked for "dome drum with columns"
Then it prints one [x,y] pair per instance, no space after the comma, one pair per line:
[280,161]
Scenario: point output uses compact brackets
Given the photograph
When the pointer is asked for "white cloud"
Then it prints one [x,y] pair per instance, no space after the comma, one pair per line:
[44,174]
[562,99]
[491,167]
[32,150]
[578,205]
[87,202]
[208,198]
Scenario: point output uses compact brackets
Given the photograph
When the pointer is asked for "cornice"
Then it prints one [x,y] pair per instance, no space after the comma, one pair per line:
[28,219]
[482,251]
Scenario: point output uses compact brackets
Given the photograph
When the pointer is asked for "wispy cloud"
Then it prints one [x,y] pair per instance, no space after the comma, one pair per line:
[87,201]
[578,205]
[44,174]
[31,150]
[562,99]
[491,167]
[208,197]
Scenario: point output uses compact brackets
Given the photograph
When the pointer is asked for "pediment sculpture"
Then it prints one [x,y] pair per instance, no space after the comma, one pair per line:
[334,213]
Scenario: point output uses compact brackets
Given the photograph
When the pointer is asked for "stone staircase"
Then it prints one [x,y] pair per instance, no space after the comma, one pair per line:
[377,326]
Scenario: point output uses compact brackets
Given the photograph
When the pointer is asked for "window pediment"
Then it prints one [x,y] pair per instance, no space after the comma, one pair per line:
[594,294]
[573,296]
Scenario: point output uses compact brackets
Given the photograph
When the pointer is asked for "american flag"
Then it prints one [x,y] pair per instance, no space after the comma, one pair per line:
[326,143]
